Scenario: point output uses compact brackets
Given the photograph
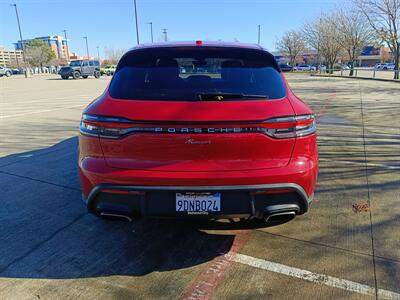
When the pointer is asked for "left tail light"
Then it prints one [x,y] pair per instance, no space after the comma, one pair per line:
[105,127]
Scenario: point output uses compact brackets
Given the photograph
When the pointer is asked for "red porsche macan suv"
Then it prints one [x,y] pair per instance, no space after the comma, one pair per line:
[201,130]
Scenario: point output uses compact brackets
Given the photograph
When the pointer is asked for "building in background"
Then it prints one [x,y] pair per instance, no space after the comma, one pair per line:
[57,43]
[308,56]
[10,58]
[372,55]
[75,56]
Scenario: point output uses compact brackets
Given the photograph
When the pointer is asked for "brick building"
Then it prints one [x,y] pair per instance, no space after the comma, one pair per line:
[10,56]
[57,43]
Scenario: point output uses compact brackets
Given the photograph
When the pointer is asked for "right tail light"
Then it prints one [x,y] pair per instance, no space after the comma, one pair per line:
[290,127]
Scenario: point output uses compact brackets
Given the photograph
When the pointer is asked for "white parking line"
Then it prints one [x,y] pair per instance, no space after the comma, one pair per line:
[361,164]
[40,111]
[343,284]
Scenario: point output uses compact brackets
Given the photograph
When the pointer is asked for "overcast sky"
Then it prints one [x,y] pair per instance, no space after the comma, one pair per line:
[110,23]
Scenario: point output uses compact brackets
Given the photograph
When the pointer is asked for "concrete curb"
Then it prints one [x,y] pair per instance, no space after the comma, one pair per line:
[353,77]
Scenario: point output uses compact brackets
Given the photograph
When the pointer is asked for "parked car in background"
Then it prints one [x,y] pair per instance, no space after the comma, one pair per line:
[108,70]
[304,67]
[385,66]
[17,71]
[5,72]
[78,68]
[285,67]
[234,143]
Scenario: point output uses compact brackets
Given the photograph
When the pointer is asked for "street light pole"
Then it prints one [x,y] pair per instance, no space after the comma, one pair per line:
[22,41]
[136,20]
[165,34]
[259,33]
[397,61]
[87,47]
[151,31]
[66,45]
[98,53]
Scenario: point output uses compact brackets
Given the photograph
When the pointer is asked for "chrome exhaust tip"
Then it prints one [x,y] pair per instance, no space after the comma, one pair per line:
[282,216]
[111,215]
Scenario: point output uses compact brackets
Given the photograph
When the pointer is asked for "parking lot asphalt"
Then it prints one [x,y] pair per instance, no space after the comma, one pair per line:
[346,247]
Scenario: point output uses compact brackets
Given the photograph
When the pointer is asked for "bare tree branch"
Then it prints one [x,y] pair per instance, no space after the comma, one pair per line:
[384,17]
[291,44]
[353,32]
[322,35]
[113,55]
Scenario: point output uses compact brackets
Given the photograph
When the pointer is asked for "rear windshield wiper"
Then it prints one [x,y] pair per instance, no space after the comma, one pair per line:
[228,96]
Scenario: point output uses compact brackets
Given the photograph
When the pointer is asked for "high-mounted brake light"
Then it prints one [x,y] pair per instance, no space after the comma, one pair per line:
[199,43]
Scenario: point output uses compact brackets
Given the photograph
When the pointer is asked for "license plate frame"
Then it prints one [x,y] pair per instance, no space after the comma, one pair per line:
[202,203]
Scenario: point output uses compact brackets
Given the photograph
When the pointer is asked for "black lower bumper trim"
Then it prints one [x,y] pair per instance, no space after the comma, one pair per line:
[159,201]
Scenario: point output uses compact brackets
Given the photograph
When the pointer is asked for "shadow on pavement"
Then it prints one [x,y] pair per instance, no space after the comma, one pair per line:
[46,231]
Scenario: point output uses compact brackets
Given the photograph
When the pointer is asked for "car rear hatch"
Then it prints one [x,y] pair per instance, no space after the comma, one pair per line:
[194,123]
[201,144]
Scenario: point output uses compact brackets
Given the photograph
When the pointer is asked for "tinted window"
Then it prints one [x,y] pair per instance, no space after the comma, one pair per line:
[75,63]
[186,73]
[91,63]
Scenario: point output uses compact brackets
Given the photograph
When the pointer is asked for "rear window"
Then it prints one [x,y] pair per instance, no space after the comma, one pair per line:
[196,74]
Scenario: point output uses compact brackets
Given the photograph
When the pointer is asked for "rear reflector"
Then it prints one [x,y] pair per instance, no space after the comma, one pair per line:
[122,192]
[268,192]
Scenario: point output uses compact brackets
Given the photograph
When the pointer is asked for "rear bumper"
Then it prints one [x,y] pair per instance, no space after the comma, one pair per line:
[236,201]
[152,193]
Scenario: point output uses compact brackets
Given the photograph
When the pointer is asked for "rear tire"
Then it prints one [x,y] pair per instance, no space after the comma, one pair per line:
[96,74]
[8,73]
[76,75]
[64,77]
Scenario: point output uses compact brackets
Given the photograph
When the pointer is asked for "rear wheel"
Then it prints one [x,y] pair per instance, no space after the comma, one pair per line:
[64,77]
[8,73]
[97,74]
[85,76]
[76,75]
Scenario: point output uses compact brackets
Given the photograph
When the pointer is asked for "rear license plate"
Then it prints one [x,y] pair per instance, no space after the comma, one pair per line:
[198,203]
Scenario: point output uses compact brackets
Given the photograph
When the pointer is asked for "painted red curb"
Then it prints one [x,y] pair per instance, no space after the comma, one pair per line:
[210,277]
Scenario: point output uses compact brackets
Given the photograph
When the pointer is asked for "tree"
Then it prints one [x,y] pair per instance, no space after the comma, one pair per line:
[38,53]
[58,62]
[113,55]
[322,35]
[384,18]
[353,33]
[291,45]
[106,62]
[13,64]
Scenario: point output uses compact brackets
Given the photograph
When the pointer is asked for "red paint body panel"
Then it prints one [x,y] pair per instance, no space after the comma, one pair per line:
[170,152]
[179,111]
